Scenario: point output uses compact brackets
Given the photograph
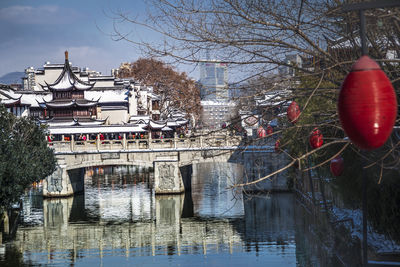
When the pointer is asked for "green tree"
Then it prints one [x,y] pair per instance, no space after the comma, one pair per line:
[24,156]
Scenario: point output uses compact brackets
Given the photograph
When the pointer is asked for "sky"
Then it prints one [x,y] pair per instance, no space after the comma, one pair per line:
[35,31]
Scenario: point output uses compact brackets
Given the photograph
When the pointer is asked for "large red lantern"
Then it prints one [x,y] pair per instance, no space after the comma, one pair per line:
[277,145]
[261,132]
[367,105]
[337,166]
[293,112]
[270,130]
[316,138]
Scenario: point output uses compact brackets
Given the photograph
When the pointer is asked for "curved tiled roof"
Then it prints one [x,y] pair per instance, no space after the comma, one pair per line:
[68,81]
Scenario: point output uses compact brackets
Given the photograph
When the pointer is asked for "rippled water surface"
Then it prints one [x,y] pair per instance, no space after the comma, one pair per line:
[119,221]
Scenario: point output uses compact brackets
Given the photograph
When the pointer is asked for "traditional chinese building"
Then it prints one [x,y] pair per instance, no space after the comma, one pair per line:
[13,101]
[68,105]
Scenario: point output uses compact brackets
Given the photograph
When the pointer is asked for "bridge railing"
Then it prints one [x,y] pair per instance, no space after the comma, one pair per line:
[138,144]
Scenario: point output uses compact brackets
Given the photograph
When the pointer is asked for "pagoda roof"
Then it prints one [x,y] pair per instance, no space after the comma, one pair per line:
[96,129]
[156,125]
[9,97]
[68,81]
[55,122]
[70,103]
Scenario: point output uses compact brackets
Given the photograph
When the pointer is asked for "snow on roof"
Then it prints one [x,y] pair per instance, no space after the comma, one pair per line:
[68,81]
[8,101]
[172,123]
[107,96]
[96,130]
[166,128]
[32,99]
[6,93]
[156,125]
[217,103]
[145,118]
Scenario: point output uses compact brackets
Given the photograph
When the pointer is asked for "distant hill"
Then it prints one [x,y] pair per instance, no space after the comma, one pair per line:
[12,77]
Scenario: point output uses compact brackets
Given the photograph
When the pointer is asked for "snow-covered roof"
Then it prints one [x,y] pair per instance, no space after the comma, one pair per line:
[217,103]
[166,129]
[71,103]
[172,123]
[137,118]
[96,130]
[156,125]
[107,96]
[33,99]
[68,80]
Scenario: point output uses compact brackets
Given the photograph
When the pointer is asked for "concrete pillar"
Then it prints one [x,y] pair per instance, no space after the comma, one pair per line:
[6,223]
[167,177]
[149,139]
[98,142]
[175,139]
[72,142]
[63,183]
[124,141]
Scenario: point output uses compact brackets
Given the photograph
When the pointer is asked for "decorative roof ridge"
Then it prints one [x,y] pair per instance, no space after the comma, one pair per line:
[67,69]
[7,95]
[45,88]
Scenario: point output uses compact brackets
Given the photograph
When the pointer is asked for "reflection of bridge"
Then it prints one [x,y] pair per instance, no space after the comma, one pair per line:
[166,232]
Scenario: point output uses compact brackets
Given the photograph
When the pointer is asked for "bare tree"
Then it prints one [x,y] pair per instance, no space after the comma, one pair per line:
[177,90]
[257,37]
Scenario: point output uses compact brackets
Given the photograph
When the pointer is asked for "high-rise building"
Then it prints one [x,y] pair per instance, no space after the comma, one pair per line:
[213,80]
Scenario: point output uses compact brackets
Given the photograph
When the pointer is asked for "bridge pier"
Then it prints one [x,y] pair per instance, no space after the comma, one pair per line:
[63,182]
[167,177]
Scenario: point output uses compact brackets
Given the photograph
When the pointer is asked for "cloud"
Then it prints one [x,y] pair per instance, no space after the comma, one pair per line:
[47,14]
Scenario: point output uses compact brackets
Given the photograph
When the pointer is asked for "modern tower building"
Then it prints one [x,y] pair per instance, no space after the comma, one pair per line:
[213,80]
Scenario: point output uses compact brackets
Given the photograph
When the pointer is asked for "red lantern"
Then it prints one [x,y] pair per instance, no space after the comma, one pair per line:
[316,138]
[337,166]
[367,105]
[261,132]
[270,130]
[293,112]
[277,145]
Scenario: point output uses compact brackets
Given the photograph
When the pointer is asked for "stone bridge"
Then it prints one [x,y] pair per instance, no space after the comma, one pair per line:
[164,156]
[167,157]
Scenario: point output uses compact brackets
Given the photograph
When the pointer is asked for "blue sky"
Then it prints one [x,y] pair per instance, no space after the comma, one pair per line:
[35,31]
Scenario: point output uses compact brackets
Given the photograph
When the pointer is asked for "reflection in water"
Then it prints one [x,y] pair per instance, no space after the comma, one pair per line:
[119,220]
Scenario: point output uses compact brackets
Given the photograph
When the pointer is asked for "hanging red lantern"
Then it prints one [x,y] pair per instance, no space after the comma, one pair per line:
[261,132]
[270,130]
[293,112]
[337,166]
[316,138]
[277,145]
[367,105]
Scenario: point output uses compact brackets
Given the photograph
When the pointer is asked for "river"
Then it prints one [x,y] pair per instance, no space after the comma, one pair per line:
[119,221]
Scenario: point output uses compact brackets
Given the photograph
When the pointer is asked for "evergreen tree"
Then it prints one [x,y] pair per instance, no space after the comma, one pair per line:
[24,156]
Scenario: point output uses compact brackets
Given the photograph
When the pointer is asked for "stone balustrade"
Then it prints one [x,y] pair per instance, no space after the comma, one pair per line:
[126,144]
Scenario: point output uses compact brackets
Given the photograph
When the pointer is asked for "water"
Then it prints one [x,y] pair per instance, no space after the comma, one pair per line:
[120,222]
